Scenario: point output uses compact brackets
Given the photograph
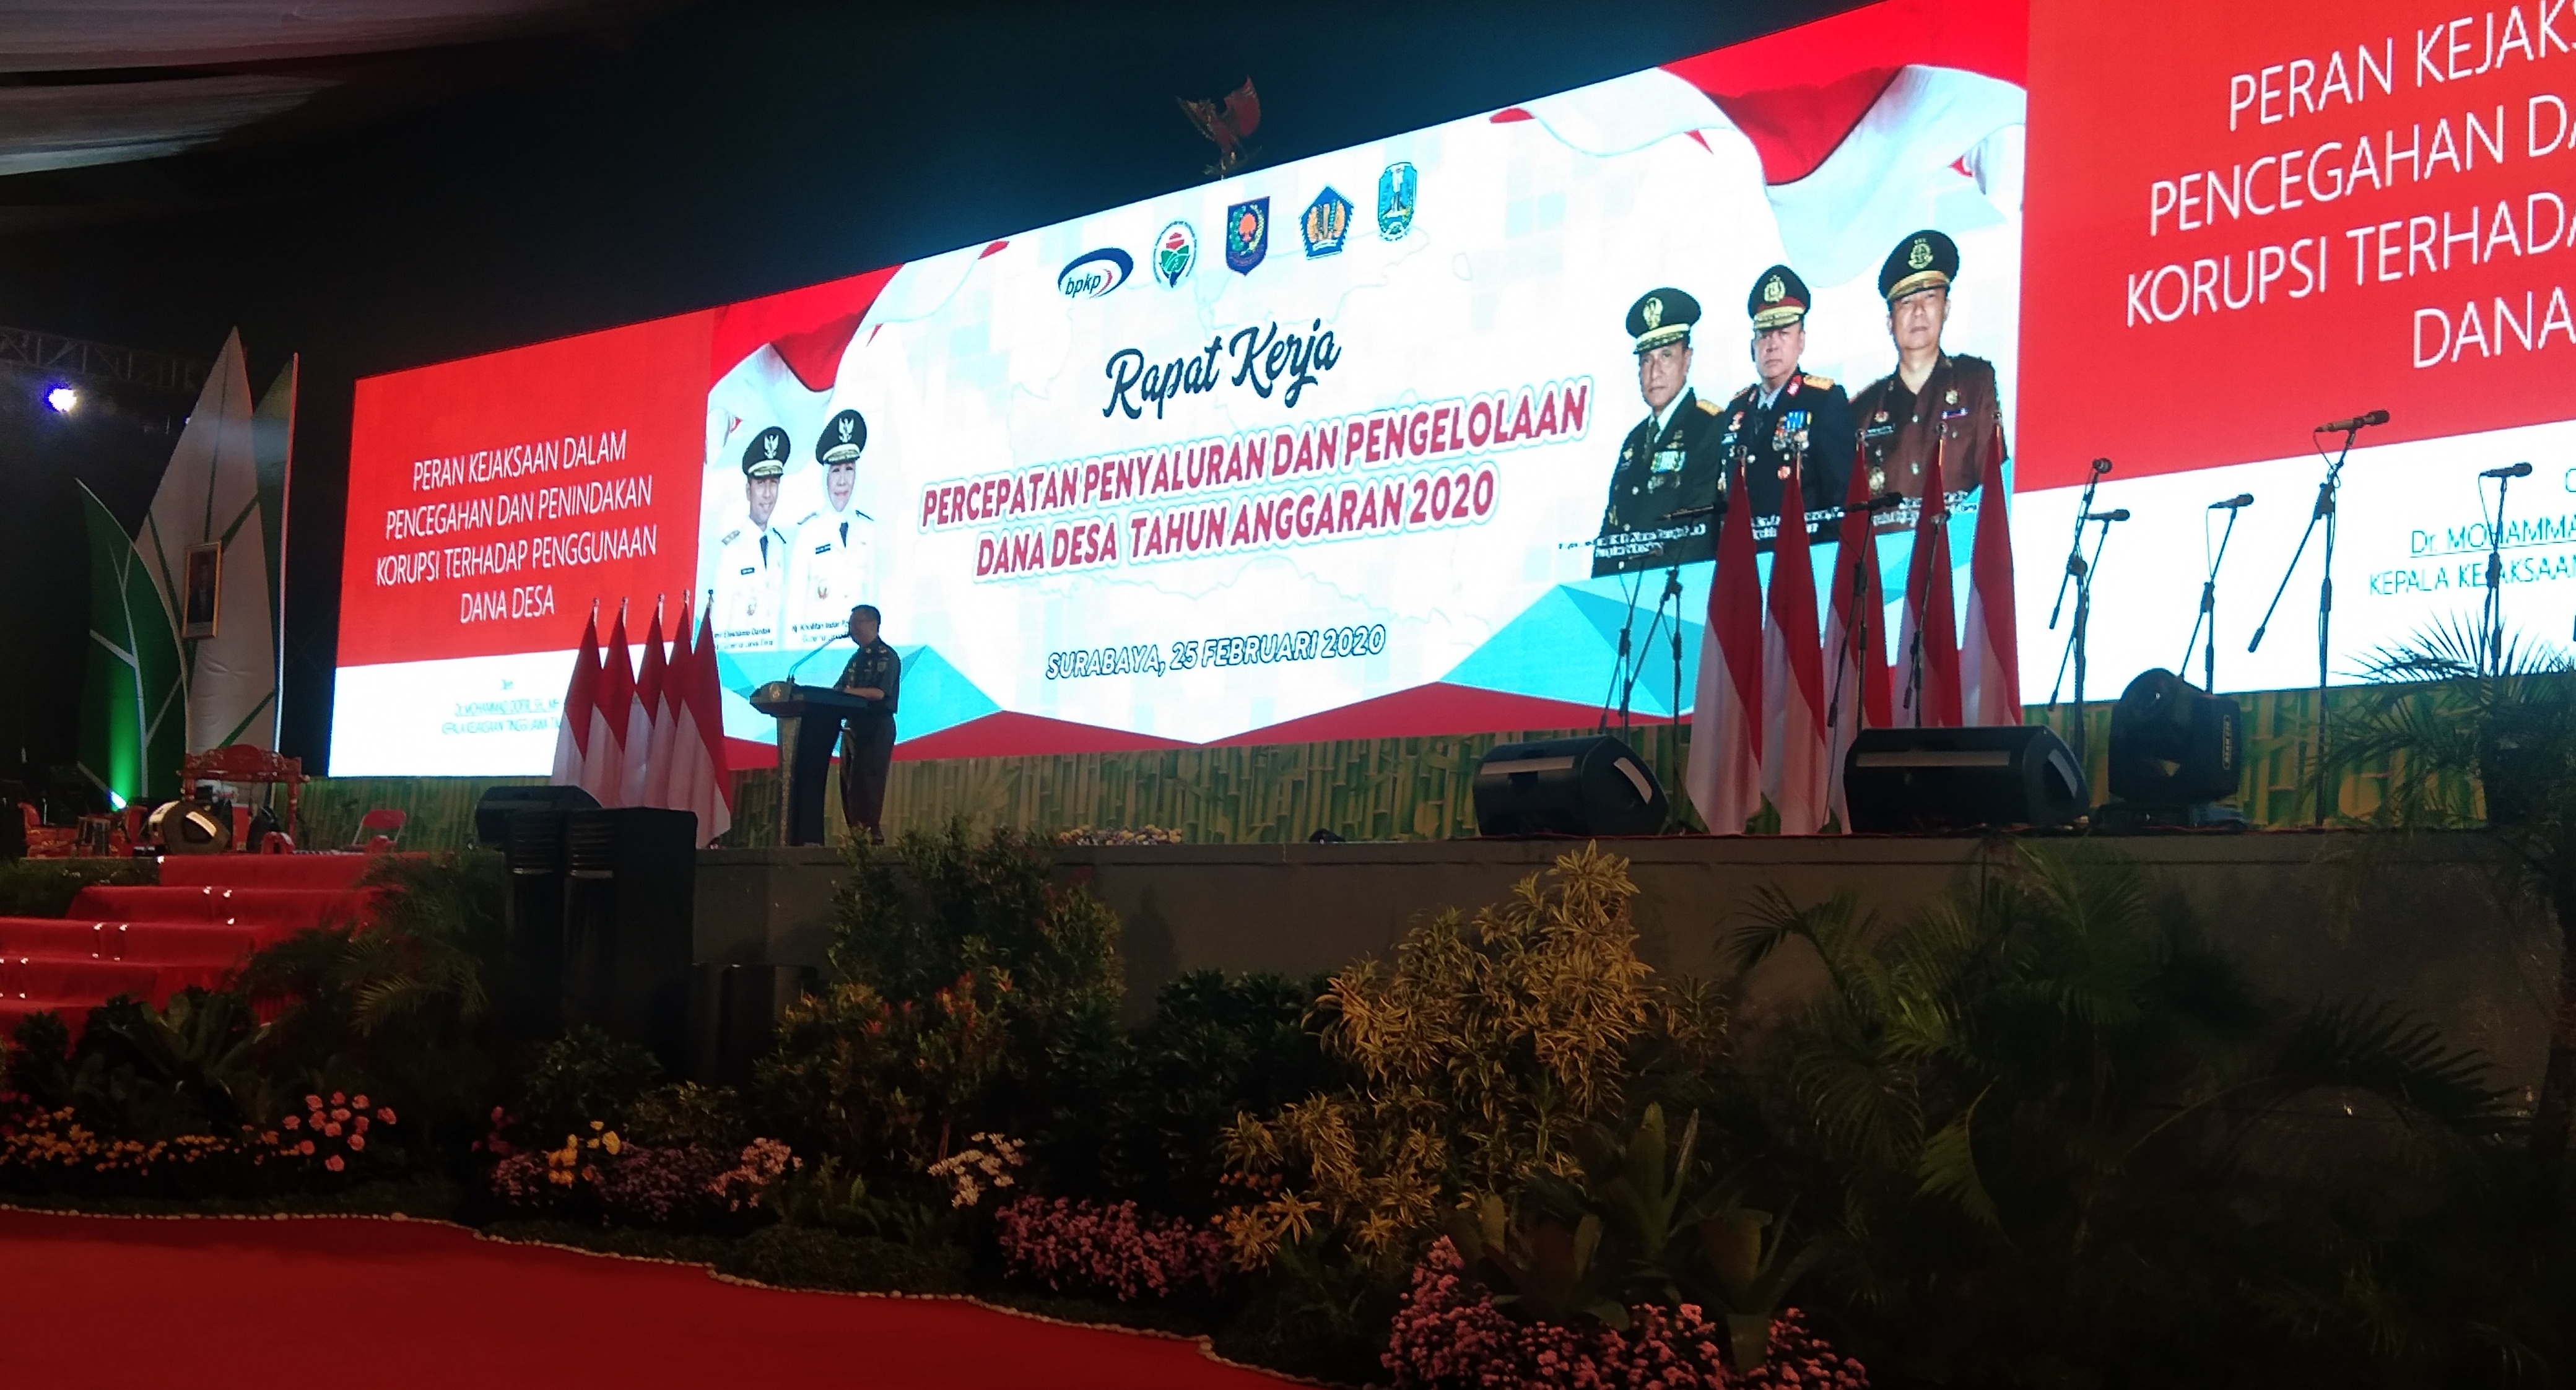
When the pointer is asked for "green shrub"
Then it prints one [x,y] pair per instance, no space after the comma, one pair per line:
[46,887]
[814,1257]
[584,1075]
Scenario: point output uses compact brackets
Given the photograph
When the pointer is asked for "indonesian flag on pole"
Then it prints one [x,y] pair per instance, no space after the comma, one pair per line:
[572,725]
[1856,684]
[669,780]
[1927,652]
[1724,777]
[1991,663]
[645,720]
[699,748]
[604,758]
[1795,761]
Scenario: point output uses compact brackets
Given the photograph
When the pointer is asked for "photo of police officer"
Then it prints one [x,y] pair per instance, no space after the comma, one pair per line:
[1665,489]
[752,559]
[1934,402]
[1788,421]
[834,555]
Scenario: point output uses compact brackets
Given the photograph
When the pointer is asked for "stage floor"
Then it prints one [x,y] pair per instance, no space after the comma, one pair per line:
[2426,922]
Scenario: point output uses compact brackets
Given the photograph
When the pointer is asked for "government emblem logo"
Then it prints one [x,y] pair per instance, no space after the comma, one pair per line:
[1395,189]
[1327,223]
[1247,235]
[1919,254]
[1176,251]
[1095,273]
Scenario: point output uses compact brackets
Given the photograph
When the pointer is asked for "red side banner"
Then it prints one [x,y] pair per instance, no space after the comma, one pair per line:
[491,499]
[2244,220]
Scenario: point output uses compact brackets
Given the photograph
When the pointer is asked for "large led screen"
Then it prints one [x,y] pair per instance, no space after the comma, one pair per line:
[1365,445]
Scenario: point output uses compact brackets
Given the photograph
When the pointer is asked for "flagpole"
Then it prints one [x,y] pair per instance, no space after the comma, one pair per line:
[285,531]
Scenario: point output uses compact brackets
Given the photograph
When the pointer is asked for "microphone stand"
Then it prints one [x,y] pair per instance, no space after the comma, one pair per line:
[2076,636]
[2209,606]
[2324,512]
[2491,651]
[809,656]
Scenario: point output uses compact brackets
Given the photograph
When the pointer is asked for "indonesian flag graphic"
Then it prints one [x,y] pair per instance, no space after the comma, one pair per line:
[1795,761]
[701,775]
[581,694]
[1927,650]
[1991,657]
[1724,777]
[1858,694]
[643,721]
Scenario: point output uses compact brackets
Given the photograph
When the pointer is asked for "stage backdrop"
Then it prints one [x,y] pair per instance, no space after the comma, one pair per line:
[1322,451]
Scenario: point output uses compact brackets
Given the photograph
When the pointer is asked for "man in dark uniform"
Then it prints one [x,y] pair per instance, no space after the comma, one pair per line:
[1933,401]
[1664,494]
[1788,415]
[875,674]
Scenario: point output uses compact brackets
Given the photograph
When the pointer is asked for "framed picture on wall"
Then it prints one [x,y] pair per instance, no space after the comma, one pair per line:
[205,577]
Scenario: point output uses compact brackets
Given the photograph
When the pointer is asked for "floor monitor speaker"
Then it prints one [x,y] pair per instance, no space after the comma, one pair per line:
[1918,780]
[1568,786]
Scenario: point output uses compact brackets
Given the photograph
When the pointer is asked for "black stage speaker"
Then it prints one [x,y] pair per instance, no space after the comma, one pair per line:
[630,885]
[2173,745]
[733,1016]
[492,814]
[1914,780]
[533,919]
[1568,786]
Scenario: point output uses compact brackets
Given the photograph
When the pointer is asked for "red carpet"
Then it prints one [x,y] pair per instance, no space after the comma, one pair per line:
[206,914]
[107,1302]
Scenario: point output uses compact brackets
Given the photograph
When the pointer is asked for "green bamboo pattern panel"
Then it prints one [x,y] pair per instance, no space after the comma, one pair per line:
[1359,789]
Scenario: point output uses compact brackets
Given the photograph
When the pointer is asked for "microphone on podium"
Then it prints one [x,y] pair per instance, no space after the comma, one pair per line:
[2121,514]
[2242,499]
[2518,470]
[2358,422]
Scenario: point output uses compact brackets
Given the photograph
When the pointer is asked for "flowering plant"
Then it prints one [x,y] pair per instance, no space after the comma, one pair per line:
[972,1171]
[329,1134]
[763,1163]
[1449,1332]
[1108,1247]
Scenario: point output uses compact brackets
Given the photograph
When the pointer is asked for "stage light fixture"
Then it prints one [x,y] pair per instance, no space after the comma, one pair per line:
[63,400]
[2177,751]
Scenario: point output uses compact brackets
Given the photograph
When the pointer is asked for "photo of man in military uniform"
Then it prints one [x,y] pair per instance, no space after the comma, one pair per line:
[1665,490]
[1788,421]
[835,549]
[1933,401]
[751,560]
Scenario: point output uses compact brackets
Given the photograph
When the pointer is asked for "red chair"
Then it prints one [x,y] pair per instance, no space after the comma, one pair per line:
[379,830]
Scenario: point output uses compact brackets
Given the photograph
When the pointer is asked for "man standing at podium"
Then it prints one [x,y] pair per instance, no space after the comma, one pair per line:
[875,674]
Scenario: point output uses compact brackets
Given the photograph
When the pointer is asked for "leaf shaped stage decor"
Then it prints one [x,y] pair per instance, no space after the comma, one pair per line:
[133,695]
[210,495]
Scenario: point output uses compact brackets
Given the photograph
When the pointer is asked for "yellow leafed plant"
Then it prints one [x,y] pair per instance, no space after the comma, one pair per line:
[1480,1055]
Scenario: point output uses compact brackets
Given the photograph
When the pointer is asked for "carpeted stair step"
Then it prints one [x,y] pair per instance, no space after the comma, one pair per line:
[265,870]
[164,943]
[96,981]
[277,912]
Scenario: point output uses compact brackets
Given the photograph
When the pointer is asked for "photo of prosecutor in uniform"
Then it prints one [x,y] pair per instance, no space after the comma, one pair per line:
[835,552]
[751,559]
[1787,417]
[1933,401]
[1664,493]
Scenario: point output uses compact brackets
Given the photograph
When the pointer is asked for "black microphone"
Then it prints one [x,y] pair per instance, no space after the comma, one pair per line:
[2101,465]
[2242,499]
[2120,515]
[1884,502]
[2357,422]
[2519,470]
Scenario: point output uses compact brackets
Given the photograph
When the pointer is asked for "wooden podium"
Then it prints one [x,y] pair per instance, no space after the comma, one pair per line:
[809,724]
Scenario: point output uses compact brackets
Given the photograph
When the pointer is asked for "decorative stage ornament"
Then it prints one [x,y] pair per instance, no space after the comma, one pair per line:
[1228,124]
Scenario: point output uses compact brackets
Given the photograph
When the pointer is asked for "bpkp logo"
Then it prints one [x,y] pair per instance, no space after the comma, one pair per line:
[1095,273]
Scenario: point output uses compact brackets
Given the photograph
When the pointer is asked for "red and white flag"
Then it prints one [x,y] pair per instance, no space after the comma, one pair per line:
[1724,777]
[1856,684]
[644,723]
[1795,762]
[572,724]
[604,758]
[700,746]
[1990,661]
[671,731]
[1927,651]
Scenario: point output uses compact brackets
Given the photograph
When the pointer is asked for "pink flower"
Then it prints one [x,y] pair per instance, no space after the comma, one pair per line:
[333,1163]
[357,1143]
[359,1100]
[305,1148]
[340,1113]
[312,1102]
[385,1113]
[331,1130]
[359,1124]
[291,1122]
[339,1098]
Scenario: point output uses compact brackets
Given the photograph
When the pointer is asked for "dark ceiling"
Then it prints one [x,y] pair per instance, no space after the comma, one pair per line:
[576,166]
